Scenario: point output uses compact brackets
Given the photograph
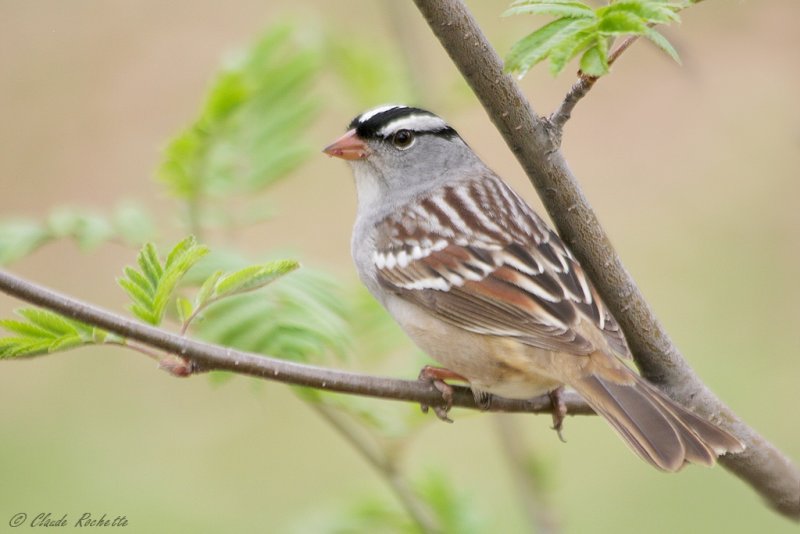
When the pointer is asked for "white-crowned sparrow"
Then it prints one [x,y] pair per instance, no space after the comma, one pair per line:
[486,288]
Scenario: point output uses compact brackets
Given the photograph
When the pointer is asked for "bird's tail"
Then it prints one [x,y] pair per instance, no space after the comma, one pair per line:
[660,431]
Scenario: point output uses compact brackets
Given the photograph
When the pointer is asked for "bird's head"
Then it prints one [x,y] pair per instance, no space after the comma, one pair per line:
[396,151]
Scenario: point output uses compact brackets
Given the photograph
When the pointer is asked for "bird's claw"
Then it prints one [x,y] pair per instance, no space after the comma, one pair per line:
[483,399]
[436,376]
[441,410]
[559,411]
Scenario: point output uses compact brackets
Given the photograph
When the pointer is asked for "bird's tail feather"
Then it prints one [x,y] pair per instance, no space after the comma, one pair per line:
[660,431]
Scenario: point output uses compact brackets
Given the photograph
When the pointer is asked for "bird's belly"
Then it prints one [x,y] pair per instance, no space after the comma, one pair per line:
[497,365]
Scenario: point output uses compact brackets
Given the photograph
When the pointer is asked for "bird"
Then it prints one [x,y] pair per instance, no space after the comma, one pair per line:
[487,289]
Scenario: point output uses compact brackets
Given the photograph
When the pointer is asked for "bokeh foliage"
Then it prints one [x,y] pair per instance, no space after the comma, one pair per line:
[582,30]
[249,134]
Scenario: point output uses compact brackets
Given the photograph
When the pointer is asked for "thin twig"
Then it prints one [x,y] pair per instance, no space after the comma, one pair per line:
[529,489]
[579,89]
[385,466]
[207,357]
[768,471]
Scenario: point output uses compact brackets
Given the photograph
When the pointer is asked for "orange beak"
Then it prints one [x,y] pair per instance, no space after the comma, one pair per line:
[348,146]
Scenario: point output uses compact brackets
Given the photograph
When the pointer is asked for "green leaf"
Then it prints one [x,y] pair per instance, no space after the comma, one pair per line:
[88,229]
[67,342]
[142,298]
[18,238]
[522,3]
[150,264]
[184,308]
[594,61]
[42,332]
[99,336]
[177,169]
[621,23]
[153,287]
[579,30]
[207,289]
[253,277]
[8,346]
[11,347]
[534,48]
[302,318]
[23,329]
[182,250]
[145,313]
[370,73]
[249,131]
[63,222]
[661,42]
[48,321]
[133,224]
[92,231]
[138,280]
[652,12]
[568,8]
[569,48]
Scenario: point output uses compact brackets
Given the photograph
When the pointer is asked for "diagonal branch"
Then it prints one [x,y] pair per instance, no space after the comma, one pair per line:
[534,142]
[208,357]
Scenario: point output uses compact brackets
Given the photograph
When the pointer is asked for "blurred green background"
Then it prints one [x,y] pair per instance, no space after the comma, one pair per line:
[693,171]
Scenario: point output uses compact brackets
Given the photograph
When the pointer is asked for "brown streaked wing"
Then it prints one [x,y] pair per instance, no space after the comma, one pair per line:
[493,305]
[504,274]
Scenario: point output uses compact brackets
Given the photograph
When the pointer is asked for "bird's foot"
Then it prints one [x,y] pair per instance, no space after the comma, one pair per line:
[436,376]
[559,411]
[483,399]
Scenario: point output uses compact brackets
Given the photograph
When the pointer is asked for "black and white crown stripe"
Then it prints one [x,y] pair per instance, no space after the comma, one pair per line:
[509,266]
[384,121]
[367,115]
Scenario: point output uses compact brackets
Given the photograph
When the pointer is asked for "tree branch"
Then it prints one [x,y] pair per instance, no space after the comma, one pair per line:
[208,357]
[534,142]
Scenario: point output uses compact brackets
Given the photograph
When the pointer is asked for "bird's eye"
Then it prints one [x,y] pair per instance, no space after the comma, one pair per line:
[403,139]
